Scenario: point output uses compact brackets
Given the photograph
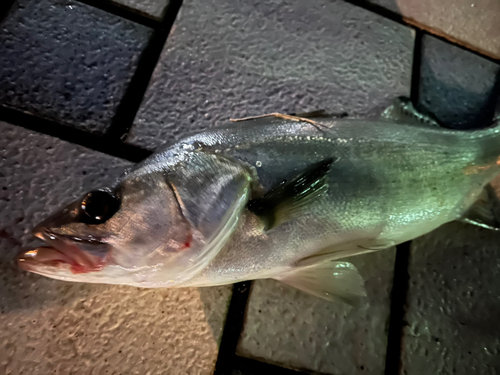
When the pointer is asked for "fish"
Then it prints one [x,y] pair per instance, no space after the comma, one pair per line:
[283,197]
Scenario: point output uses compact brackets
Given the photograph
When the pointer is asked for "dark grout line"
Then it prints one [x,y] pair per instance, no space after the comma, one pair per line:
[129,106]
[5,7]
[67,133]
[400,285]
[416,68]
[247,366]
[123,12]
[227,358]
[380,10]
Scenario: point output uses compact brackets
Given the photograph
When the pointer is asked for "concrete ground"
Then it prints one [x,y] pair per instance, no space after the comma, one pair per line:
[89,87]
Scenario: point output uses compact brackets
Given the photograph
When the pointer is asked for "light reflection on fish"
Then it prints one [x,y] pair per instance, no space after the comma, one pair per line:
[275,198]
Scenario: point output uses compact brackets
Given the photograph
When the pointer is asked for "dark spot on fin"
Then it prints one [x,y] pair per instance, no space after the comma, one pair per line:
[290,197]
[485,212]
[402,110]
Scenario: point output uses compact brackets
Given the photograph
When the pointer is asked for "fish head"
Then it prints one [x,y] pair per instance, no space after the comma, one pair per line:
[134,234]
[159,226]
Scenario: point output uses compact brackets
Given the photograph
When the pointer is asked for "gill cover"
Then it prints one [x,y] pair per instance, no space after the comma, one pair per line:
[211,192]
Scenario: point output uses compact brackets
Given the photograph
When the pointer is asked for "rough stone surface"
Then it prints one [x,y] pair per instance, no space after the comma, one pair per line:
[55,327]
[227,58]
[67,61]
[453,303]
[474,24]
[459,87]
[153,8]
[290,328]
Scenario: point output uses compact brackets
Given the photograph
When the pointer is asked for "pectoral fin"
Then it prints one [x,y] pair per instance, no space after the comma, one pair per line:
[402,110]
[328,280]
[486,211]
[290,198]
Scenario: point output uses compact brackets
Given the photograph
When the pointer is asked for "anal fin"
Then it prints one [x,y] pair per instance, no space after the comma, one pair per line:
[328,280]
[486,211]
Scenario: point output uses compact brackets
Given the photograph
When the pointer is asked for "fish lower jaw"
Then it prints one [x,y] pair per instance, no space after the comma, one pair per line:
[68,260]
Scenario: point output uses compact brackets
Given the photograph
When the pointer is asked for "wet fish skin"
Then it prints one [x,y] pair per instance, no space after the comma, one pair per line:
[184,219]
[392,182]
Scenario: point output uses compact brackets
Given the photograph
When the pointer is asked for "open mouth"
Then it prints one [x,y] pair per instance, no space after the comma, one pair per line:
[65,253]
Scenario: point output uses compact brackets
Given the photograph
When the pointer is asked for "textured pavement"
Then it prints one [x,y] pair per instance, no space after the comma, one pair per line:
[474,24]
[67,61]
[458,87]
[220,62]
[453,303]
[88,87]
[290,328]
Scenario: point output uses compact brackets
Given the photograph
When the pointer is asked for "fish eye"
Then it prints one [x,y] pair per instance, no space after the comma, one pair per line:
[98,206]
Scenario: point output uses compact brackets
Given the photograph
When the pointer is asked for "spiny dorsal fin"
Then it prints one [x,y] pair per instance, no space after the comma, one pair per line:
[328,280]
[289,198]
[402,110]
[485,212]
[311,114]
[321,113]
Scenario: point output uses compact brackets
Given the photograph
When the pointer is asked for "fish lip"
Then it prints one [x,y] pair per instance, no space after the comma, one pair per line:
[56,239]
[67,252]
[27,261]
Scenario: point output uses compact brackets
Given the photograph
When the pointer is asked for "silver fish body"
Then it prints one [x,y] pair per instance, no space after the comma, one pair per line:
[390,183]
[185,219]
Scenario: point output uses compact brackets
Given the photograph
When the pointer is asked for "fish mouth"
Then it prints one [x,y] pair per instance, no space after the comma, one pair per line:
[65,253]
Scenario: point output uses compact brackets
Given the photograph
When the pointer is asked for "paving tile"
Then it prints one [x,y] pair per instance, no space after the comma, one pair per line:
[453,303]
[153,8]
[290,328]
[459,87]
[51,326]
[227,58]
[67,61]
[474,24]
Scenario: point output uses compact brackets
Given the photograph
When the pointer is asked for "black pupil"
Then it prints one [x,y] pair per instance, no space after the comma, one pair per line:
[99,205]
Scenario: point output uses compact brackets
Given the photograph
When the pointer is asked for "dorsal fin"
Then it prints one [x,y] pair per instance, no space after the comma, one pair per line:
[402,110]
